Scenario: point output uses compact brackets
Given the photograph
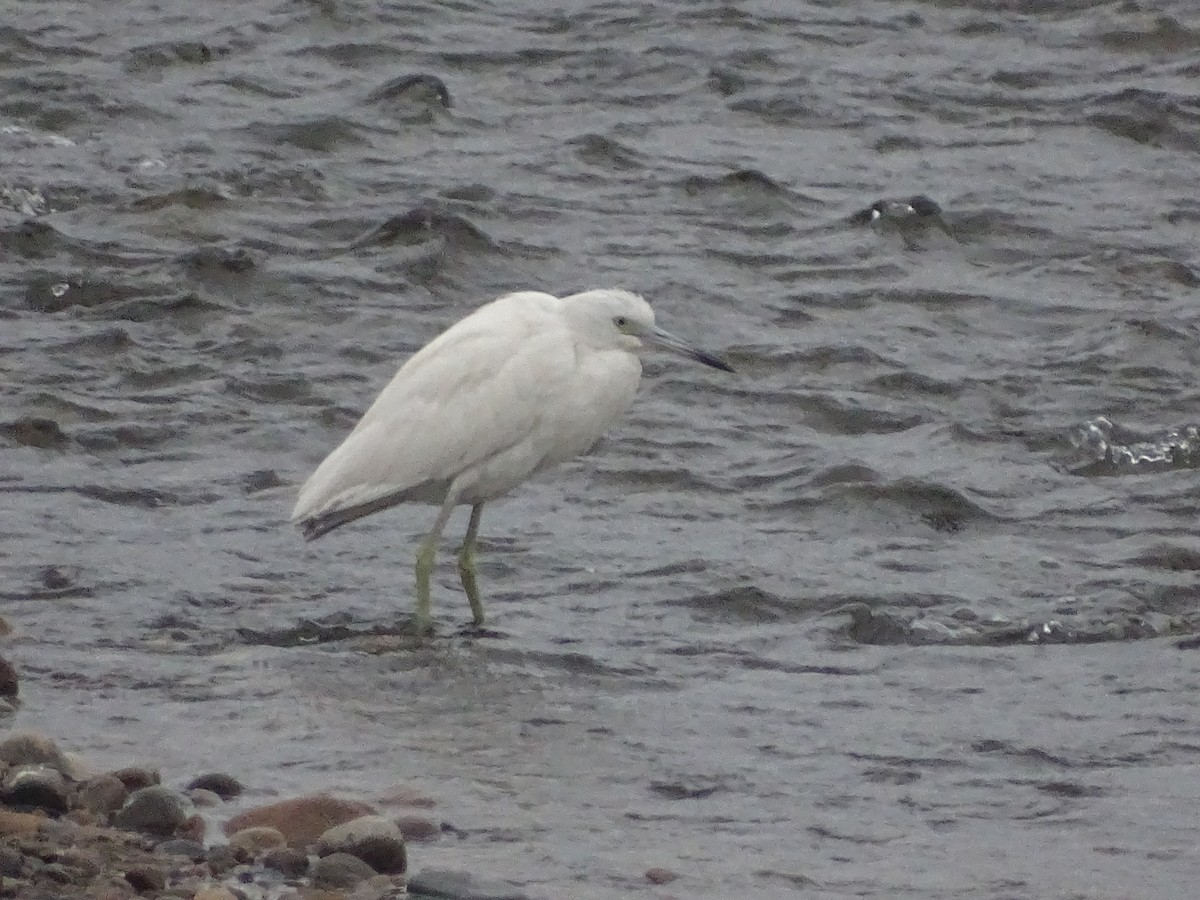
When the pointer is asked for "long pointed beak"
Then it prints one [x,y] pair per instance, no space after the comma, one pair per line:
[667,341]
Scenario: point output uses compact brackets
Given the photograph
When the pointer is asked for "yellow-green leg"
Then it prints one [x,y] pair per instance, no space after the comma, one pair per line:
[423,620]
[466,565]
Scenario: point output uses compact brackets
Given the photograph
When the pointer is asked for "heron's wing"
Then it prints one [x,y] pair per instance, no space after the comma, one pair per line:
[476,391]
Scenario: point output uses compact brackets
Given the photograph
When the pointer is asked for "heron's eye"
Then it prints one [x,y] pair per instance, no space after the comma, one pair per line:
[620,321]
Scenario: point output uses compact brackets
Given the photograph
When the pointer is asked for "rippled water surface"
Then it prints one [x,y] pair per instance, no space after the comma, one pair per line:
[906,608]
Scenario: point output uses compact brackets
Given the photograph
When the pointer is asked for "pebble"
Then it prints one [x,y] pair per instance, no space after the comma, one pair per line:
[224,786]
[460,886]
[222,858]
[12,861]
[215,892]
[302,819]
[188,849]
[103,794]
[9,683]
[659,875]
[257,839]
[30,748]
[373,839]
[339,870]
[146,878]
[288,861]
[154,810]
[39,787]
[203,798]
[135,777]
[415,828]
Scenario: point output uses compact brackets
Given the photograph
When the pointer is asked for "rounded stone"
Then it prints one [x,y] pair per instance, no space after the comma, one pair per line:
[416,828]
[146,878]
[36,787]
[660,875]
[224,786]
[9,683]
[288,861]
[302,819]
[373,839]
[135,777]
[339,870]
[103,794]
[203,798]
[257,839]
[30,748]
[153,810]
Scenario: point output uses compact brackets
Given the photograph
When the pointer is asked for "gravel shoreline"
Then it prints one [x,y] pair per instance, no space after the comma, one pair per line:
[69,832]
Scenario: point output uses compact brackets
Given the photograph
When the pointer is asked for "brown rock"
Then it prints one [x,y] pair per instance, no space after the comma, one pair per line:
[216,892]
[193,829]
[135,778]
[301,820]
[146,878]
[103,794]
[415,828]
[31,748]
[257,839]
[19,823]
[659,875]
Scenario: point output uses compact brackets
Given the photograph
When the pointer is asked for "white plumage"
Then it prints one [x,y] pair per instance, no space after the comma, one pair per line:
[521,384]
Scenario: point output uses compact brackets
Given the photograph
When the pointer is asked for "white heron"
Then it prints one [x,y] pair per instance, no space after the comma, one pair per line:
[519,385]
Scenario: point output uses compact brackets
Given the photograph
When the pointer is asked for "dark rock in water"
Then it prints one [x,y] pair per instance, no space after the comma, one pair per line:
[288,861]
[44,434]
[418,89]
[39,787]
[416,828]
[659,875]
[31,748]
[224,786]
[103,794]
[339,870]
[153,810]
[135,778]
[302,820]
[373,839]
[146,878]
[9,683]
[219,260]
[451,885]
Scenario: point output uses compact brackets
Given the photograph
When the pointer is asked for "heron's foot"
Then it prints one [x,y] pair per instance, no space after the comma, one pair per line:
[466,571]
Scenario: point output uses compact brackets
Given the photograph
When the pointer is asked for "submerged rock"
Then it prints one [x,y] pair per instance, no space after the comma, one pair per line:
[224,786]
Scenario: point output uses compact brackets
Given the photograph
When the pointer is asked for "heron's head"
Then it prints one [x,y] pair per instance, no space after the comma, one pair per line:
[616,318]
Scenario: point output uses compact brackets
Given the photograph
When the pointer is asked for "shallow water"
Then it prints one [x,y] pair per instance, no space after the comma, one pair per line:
[903,609]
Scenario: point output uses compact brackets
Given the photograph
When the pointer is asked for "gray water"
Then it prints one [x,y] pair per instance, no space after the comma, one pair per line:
[904,609]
